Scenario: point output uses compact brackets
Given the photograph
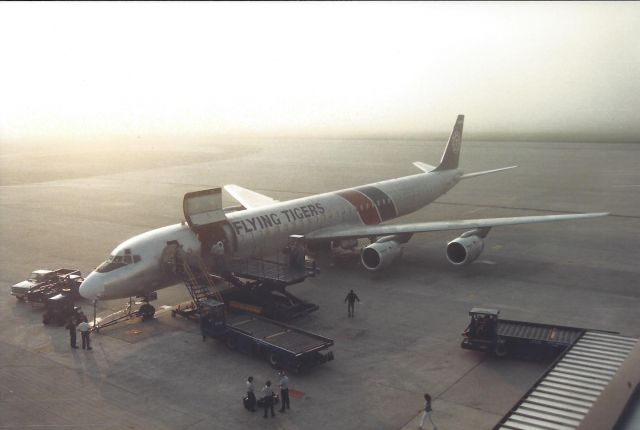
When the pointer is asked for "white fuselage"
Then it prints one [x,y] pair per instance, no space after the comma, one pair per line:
[260,231]
[136,268]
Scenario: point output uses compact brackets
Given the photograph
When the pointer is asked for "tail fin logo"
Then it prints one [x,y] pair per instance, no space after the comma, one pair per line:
[455,142]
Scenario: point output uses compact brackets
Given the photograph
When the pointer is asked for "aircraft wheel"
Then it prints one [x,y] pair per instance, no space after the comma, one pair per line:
[147,311]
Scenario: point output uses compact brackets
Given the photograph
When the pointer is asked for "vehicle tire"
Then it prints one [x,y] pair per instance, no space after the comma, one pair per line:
[45,319]
[500,350]
[274,360]
[231,342]
[21,298]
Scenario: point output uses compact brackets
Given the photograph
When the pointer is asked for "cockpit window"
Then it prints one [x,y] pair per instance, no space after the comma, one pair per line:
[116,261]
[108,266]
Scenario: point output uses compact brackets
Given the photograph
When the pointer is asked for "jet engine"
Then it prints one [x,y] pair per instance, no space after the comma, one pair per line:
[380,254]
[465,249]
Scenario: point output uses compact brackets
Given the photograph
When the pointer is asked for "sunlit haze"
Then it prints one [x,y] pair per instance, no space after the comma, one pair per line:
[88,72]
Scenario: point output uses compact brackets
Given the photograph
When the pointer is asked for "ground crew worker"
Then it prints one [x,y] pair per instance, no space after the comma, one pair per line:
[284,390]
[426,412]
[72,333]
[83,327]
[204,320]
[251,394]
[351,299]
[267,400]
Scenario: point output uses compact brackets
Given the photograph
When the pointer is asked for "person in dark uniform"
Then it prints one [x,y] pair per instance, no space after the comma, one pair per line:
[72,333]
[204,324]
[351,301]
[251,394]
[267,392]
[284,390]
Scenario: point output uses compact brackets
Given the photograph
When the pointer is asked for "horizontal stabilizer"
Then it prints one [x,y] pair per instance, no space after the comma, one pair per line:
[424,166]
[486,172]
[360,231]
[247,198]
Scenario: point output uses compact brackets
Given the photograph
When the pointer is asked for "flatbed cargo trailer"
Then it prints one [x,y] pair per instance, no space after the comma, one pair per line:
[282,345]
[486,332]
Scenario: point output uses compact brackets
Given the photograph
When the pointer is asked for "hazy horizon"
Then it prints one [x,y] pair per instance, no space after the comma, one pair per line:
[99,72]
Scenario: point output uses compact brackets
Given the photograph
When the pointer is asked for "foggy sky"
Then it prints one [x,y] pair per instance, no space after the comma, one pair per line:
[95,72]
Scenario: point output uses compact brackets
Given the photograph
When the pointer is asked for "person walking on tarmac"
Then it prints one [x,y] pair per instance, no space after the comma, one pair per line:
[72,333]
[284,390]
[267,392]
[83,327]
[351,301]
[251,388]
[426,412]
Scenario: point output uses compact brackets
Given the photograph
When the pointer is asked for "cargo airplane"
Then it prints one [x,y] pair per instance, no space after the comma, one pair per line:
[262,226]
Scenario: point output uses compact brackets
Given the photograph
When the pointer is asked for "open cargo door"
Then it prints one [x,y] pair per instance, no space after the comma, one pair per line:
[203,208]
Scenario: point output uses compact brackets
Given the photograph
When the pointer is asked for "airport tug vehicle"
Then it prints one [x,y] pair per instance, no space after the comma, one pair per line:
[59,309]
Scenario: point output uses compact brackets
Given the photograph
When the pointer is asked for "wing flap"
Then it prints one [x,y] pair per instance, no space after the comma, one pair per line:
[247,198]
[352,232]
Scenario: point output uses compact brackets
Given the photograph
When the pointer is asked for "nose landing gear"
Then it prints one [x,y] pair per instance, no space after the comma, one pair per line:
[147,311]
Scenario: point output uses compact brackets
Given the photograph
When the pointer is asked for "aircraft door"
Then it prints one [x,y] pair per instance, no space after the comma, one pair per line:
[203,208]
[204,213]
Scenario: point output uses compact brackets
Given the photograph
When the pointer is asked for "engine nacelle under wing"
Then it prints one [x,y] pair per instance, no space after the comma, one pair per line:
[464,249]
[380,254]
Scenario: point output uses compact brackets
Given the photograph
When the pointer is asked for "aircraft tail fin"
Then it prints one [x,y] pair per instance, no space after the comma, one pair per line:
[452,151]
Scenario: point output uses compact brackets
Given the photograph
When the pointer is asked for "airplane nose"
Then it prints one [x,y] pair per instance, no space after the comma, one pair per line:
[92,287]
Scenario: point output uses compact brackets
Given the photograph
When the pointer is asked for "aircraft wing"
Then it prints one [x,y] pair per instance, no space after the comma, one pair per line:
[247,198]
[356,231]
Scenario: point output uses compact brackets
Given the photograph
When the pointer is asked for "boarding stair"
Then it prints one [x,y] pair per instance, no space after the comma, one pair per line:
[566,392]
[195,276]
[200,285]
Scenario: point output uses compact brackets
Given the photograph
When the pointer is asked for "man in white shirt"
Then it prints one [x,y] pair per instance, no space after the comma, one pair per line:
[83,328]
[267,392]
